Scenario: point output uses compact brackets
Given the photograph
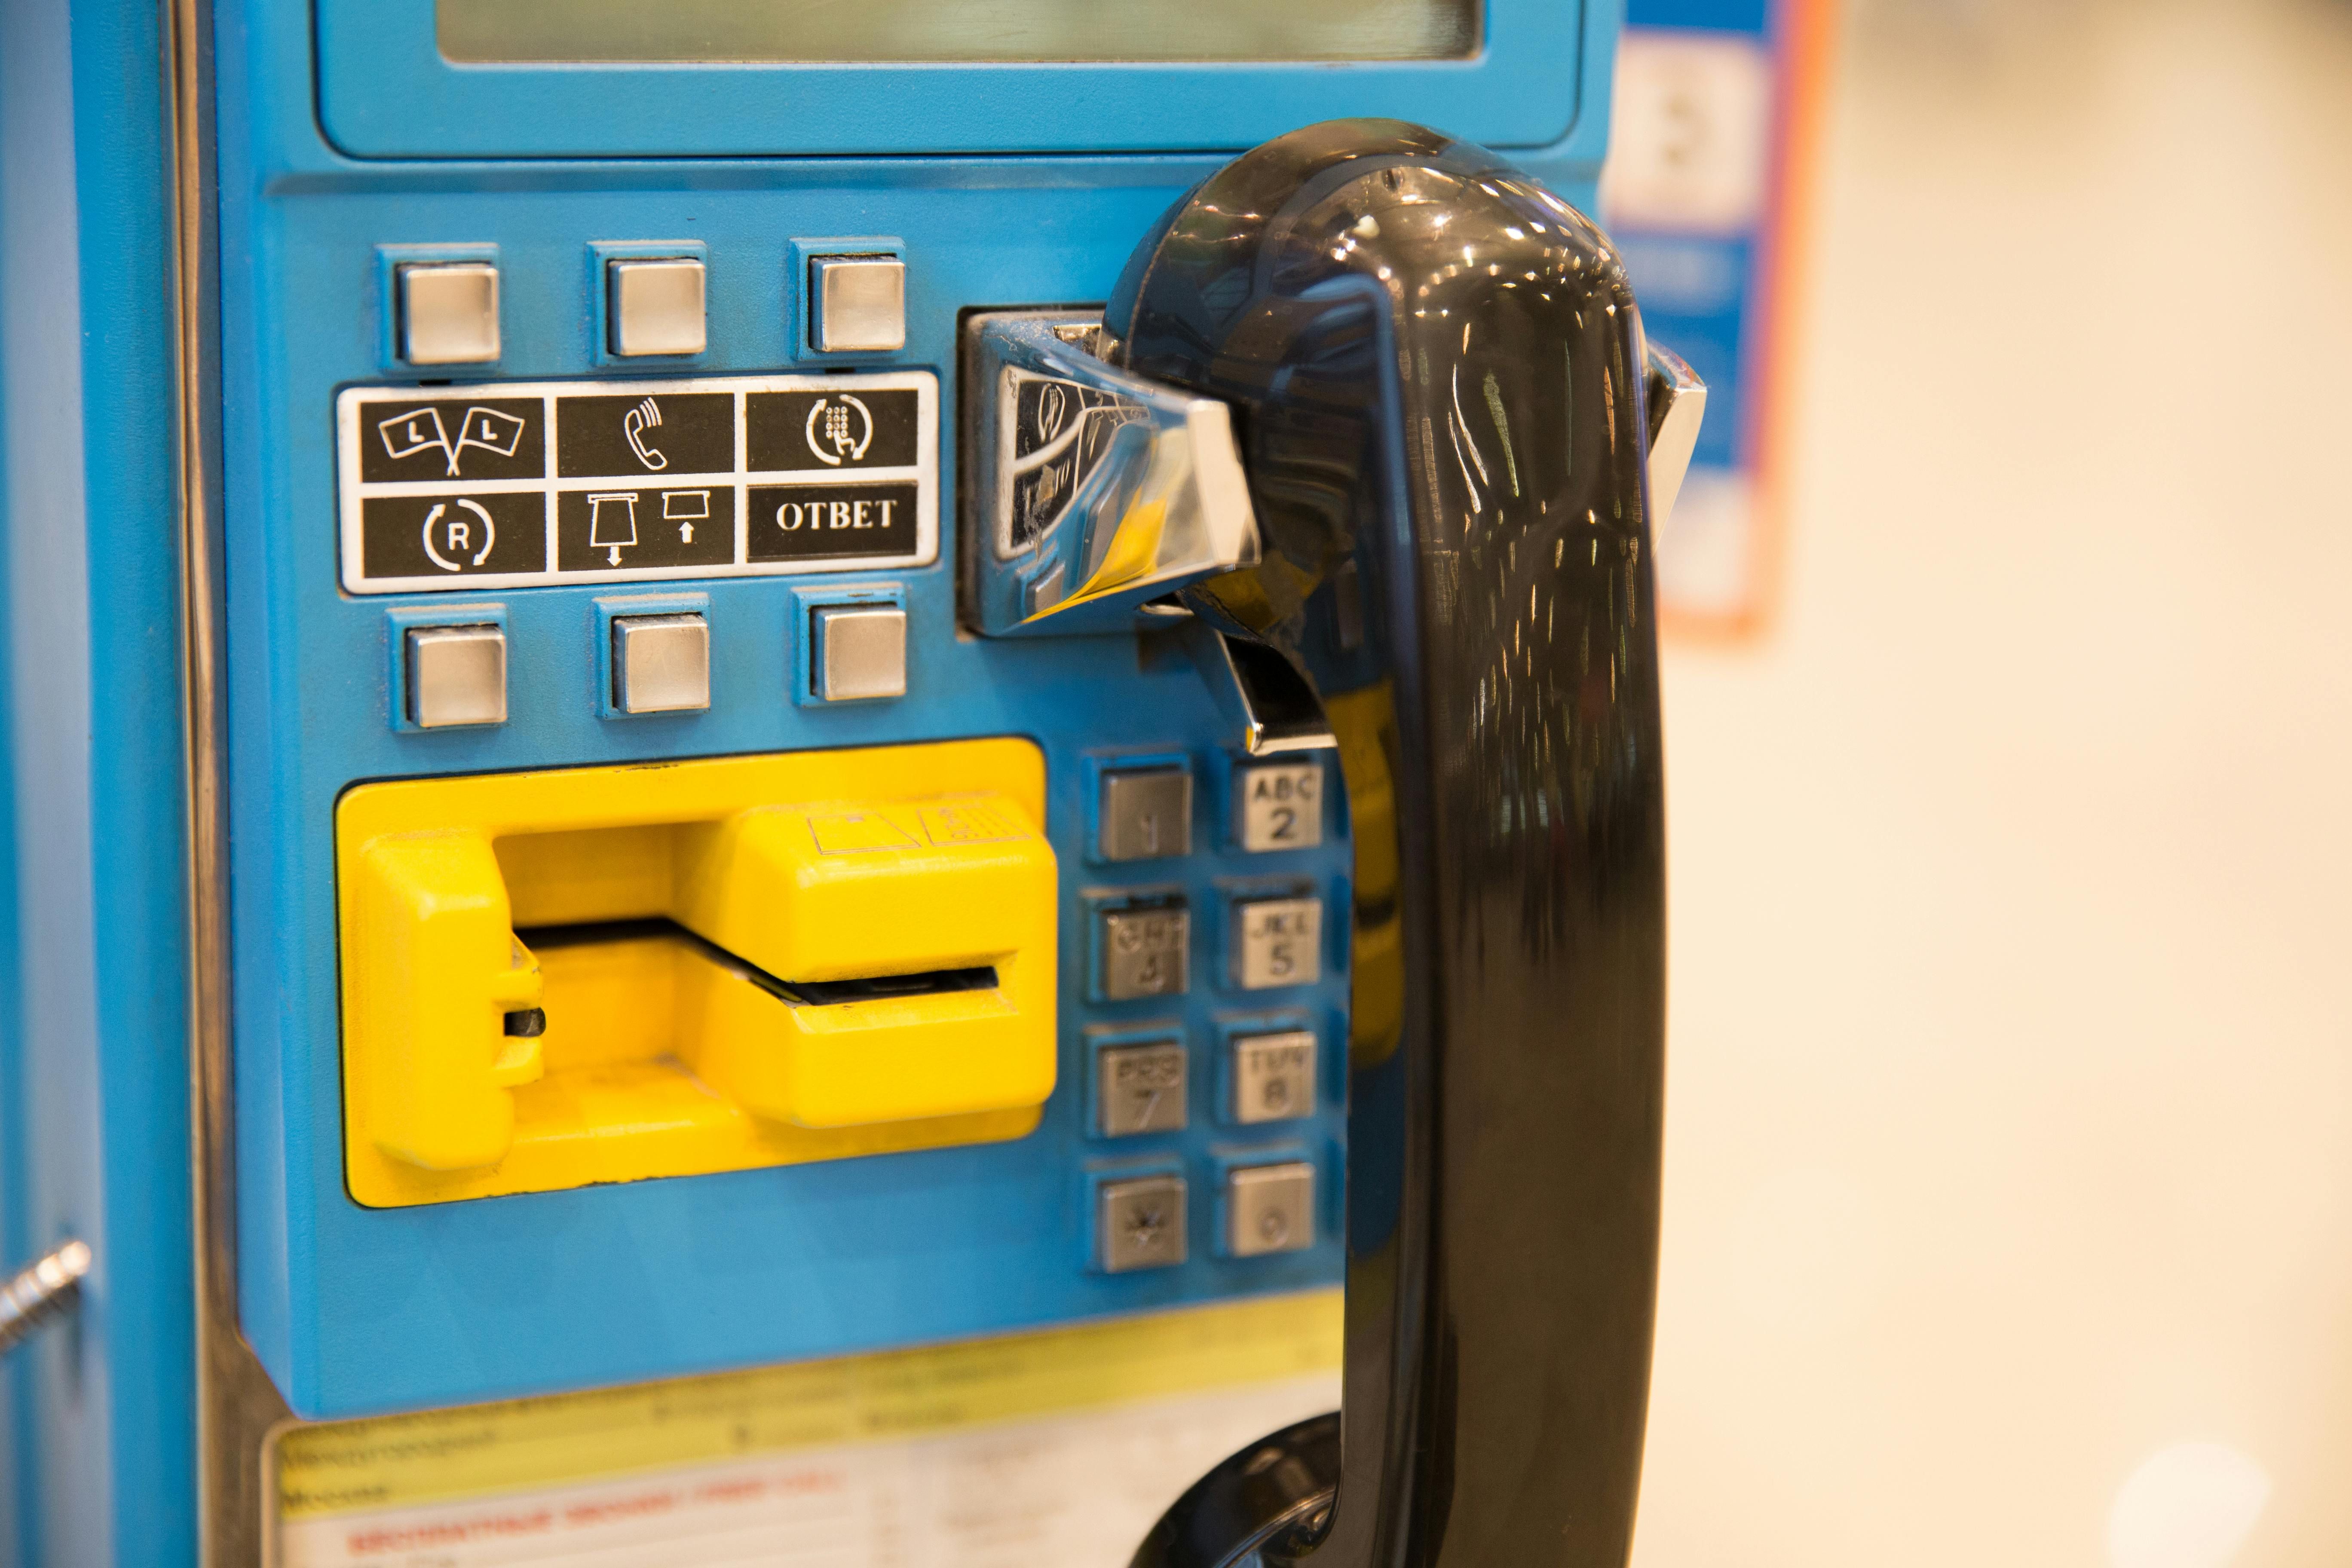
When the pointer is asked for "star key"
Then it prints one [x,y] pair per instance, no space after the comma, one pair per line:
[1140,1224]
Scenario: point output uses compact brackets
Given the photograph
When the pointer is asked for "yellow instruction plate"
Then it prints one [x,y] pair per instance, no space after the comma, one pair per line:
[1062,1445]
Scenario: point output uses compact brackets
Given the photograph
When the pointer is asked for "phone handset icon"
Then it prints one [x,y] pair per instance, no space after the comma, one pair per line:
[635,424]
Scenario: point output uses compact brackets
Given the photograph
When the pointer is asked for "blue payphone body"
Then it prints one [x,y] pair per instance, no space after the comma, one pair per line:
[621,485]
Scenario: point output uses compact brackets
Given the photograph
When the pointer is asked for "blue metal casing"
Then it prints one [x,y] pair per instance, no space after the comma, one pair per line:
[336,136]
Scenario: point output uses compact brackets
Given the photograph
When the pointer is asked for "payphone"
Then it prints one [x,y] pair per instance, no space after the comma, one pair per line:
[897,724]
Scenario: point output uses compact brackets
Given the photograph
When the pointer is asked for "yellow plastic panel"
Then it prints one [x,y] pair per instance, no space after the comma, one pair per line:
[661,1057]
[432,958]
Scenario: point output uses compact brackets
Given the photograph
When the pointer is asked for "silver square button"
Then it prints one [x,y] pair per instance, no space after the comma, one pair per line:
[1281,805]
[1140,1224]
[1273,1076]
[661,664]
[1270,1208]
[655,306]
[1139,1089]
[861,652]
[1277,941]
[857,303]
[1145,952]
[1147,814]
[449,312]
[457,675]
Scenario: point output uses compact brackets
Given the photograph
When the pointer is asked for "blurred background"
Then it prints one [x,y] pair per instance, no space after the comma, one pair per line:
[2009,1192]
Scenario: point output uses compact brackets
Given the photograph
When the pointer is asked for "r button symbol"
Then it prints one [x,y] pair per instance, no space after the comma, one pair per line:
[456,533]
[444,536]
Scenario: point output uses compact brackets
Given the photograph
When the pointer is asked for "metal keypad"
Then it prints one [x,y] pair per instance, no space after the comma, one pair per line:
[1212,1085]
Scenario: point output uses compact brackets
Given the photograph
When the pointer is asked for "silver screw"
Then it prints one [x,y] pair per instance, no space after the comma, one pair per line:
[49,1288]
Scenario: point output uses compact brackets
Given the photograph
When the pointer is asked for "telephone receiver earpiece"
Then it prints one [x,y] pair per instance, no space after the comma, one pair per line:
[1447,414]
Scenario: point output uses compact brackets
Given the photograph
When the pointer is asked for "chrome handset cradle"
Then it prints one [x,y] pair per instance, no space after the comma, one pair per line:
[1097,494]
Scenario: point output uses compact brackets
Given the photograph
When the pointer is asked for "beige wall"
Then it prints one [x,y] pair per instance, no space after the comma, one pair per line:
[2009,1142]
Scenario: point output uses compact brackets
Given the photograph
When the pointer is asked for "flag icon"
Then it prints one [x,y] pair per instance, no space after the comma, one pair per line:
[421,430]
[418,430]
[492,431]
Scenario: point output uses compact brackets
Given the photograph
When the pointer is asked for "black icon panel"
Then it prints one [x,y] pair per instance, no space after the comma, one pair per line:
[514,483]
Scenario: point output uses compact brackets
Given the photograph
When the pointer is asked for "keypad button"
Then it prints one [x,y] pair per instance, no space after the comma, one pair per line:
[457,675]
[1140,1224]
[655,306]
[857,304]
[449,312]
[1147,814]
[661,664]
[1270,1208]
[1281,805]
[1272,1076]
[861,653]
[1145,950]
[1277,941]
[1139,1089]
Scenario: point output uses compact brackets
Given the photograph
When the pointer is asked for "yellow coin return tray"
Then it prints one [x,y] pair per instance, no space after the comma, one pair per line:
[602,975]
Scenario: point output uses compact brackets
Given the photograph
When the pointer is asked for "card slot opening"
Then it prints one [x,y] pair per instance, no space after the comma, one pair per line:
[799,992]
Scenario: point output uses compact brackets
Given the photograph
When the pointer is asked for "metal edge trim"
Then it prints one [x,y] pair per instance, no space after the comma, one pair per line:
[236,1405]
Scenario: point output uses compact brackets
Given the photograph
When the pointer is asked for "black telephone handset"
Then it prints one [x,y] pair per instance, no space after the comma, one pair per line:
[1445,408]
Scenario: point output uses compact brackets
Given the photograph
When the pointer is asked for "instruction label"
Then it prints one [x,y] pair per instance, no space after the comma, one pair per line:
[794,522]
[1059,1446]
[521,484]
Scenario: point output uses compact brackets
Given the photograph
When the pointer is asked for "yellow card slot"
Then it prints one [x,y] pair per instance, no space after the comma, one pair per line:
[611,973]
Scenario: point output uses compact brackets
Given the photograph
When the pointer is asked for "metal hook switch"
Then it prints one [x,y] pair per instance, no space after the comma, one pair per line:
[1677,404]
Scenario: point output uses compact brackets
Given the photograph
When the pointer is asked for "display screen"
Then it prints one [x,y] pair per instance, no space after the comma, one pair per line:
[918,31]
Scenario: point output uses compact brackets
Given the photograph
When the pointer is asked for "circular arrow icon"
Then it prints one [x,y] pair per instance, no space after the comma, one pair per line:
[829,439]
[458,529]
